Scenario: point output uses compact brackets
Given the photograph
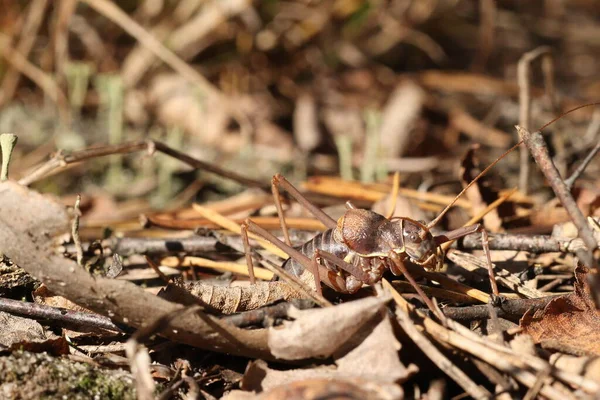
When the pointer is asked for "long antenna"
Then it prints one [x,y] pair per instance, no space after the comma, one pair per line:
[445,210]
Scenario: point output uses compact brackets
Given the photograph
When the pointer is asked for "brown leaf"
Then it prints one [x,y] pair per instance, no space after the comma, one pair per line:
[319,388]
[572,320]
[359,337]
[321,332]
[293,384]
[228,299]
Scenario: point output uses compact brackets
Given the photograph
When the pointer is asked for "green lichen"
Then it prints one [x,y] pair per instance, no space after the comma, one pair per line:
[27,375]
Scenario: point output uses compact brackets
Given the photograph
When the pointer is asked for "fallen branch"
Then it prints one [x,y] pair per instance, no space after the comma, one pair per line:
[27,239]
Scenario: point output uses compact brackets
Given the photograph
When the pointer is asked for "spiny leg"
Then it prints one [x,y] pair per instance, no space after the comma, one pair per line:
[277,200]
[485,243]
[402,268]
[279,181]
[248,252]
[353,270]
[316,274]
[334,281]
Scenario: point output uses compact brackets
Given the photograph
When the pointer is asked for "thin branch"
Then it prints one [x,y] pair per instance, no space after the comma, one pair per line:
[40,78]
[509,309]
[577,173]
[61,316]
[538,149]
[536,244]
[523,77]
[60,160]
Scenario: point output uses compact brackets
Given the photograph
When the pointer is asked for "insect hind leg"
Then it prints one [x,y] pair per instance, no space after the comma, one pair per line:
[334,281]
[279,181]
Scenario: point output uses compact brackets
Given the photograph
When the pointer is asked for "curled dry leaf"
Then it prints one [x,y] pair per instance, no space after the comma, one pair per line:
[358,335]
[570,322]
[232,299]
[321,332]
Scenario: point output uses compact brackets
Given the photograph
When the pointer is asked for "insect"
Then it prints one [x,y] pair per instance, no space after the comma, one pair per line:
[359,247]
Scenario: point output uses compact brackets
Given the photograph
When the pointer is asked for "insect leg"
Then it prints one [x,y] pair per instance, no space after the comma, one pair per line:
[485,243]
[402,268]
[352,269]
[329,278]
[279,181]
[247,252]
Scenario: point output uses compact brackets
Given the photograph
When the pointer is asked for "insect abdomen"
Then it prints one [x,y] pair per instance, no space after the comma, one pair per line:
[323,241]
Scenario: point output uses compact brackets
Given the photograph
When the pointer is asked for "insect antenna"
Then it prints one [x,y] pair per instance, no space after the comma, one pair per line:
[447,208]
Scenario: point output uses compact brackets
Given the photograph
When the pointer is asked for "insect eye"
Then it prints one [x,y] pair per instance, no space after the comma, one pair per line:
[413,237]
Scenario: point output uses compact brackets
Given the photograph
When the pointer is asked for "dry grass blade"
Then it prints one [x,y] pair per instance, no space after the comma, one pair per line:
[240,269]
[231,226]
[355,190]
[402,313]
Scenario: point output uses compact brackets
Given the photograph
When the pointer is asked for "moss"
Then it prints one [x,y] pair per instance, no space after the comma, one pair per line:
[27,375]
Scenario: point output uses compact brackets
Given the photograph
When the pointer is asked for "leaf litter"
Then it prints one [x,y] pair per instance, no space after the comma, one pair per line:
[314,91]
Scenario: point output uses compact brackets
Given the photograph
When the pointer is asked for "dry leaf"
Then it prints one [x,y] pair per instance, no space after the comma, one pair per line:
[316,389]
[260,378]
[321,332]
[399,116]
[571,321]
[229,299]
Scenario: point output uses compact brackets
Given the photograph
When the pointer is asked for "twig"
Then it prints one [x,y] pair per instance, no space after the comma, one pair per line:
[577,173]
[509,309]
[507,279]
[153,246]
[439,359]
[119,17]
[535,143]
[75,231]
[240,269]
[523,72]
[261,316]
[61,316]
[534,244]
[60,160]
[64,13]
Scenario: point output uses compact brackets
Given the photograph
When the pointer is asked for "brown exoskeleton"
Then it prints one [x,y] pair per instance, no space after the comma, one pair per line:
[361,245]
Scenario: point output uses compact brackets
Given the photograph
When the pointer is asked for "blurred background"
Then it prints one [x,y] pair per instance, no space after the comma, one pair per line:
[343,87]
